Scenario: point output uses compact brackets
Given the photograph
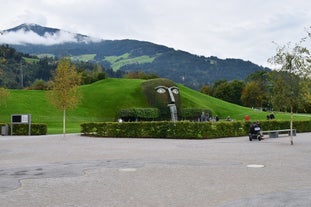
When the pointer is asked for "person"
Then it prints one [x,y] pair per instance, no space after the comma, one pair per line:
[272,116]
[217,118]
[246,118]
[255,131]
[203,117]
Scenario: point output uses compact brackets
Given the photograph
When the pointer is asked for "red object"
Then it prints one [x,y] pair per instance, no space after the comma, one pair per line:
[246,118]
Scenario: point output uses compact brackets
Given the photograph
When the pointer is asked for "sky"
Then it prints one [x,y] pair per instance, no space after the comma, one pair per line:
[242,29]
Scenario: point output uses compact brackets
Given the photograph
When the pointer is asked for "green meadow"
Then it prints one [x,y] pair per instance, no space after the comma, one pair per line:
[85,58]
[118,61]
[102,100]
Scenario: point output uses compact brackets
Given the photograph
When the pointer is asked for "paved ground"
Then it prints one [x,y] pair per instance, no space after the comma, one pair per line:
[52,171]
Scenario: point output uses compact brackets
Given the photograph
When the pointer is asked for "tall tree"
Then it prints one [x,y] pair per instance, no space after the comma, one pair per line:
[284,85]
[229,91]
[295,61]
[64,94]
[253,95]
[262,78]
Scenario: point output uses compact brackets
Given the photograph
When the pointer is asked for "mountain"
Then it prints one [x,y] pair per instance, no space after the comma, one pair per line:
[128,55]
[38,35]
[33,28]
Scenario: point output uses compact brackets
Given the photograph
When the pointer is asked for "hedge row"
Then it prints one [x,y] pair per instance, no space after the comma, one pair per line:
[300,126]
[165,129]
[139,113]
[22,129]
[182,129]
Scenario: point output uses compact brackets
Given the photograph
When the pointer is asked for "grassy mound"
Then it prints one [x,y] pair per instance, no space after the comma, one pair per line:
[102,101]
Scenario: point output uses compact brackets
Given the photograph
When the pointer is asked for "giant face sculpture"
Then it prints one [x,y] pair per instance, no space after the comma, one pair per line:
[171,91]
[160,93]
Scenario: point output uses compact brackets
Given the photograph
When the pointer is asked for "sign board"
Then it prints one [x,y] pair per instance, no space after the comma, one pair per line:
[25,118]
[21,119]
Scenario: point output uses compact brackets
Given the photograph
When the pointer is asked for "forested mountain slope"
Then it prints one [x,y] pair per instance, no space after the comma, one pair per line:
[133,55]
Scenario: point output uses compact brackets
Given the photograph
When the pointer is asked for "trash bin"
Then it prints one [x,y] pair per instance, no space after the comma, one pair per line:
[4,130]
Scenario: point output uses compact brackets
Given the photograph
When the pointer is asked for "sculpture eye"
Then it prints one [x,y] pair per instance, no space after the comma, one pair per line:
[161,90]
[175,91]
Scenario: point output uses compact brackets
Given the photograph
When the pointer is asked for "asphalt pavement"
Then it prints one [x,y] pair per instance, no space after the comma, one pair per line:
[58,171]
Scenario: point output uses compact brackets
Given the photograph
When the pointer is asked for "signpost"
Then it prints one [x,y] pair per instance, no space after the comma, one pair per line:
[21,119]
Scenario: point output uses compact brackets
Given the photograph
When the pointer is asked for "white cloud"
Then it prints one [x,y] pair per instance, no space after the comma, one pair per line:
[23,37]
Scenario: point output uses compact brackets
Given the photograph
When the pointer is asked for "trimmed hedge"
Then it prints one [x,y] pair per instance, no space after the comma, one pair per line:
[139,113]
[22,129]
[164,129]
[182,129]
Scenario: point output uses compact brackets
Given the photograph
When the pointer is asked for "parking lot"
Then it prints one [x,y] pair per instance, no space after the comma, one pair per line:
[74,170]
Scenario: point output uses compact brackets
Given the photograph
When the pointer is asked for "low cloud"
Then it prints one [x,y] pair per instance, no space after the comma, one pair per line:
[29,37]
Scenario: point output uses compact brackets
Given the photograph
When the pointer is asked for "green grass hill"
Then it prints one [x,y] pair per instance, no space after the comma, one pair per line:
[102,101]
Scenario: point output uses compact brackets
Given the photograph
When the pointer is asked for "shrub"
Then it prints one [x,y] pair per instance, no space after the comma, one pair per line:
[23,129]
[133,114]
[39,84]
[163,129]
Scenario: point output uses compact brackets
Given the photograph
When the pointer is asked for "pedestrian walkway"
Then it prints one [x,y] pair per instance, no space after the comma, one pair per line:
[54,171]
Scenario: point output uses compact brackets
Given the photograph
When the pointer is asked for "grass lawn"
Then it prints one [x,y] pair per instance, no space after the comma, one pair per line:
[102,100]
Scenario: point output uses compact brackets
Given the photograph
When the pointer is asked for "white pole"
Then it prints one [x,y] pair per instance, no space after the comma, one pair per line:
[64,122]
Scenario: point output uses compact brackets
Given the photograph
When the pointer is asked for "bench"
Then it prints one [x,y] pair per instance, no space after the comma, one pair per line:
[275,133]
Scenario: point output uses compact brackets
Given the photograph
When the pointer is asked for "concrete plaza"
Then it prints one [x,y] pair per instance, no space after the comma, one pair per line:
[53,170]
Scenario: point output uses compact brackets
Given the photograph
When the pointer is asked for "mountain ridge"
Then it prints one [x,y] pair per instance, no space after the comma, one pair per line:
[134,55]
[33,27]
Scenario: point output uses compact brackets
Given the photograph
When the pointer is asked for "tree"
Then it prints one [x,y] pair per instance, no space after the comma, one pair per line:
[39,84]
[236,89]
[228,91]
[253,94]
[295,61]
[283,86]
[140,75]
[262,77]
[90,74]
[206,89]
[64,94]
[305,96]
